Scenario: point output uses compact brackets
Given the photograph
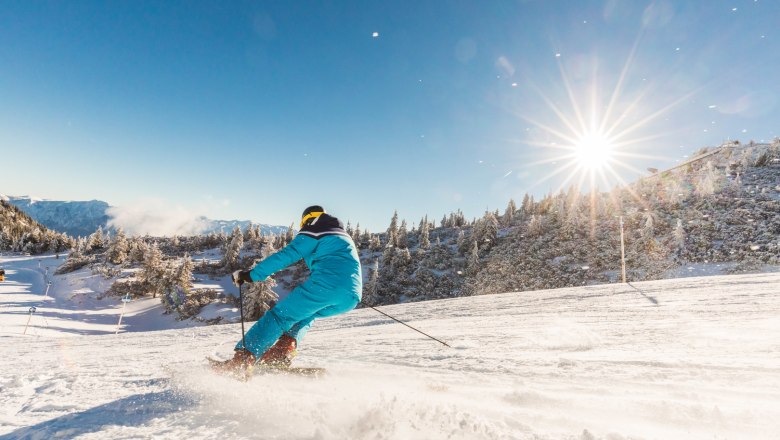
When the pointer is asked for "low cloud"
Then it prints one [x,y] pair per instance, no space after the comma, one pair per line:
[157,218]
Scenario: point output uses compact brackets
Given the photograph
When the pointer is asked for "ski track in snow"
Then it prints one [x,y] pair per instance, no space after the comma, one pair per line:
[576,363]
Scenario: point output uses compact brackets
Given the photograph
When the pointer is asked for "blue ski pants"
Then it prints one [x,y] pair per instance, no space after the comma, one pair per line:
[294,315]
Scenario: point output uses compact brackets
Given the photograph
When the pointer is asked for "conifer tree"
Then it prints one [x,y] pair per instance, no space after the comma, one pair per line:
[527,207]
[535,226]
[356,235]
[392,231]
[184,274]
[371,289]
[250,236]
[424,240]
[486,231]
[509,213]
[119,248]
[96,241]
[259,297]
[152,273]
[233,251]
[289,235]
[374,243]
[403,236]
[472,262]
[707,181]
[462,243]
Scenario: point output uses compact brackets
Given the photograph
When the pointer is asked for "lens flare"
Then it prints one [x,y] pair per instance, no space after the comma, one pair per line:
[593,151]
[592,139]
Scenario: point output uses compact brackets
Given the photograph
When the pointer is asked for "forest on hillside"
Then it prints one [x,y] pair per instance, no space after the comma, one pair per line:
[723,206]
[20,233]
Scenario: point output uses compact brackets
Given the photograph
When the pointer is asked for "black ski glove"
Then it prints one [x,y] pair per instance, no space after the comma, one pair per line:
[240,277]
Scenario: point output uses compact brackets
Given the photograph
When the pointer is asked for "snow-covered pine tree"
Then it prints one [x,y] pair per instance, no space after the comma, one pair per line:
[374,244]
[527,206]
[356,236]
[424,239]
[250,235]
[137,249]
[233,251]
[370,290]
[472,260]
[509,213]
[259,297]
[486,231]
[289,235]
[403,236]
[535,226]
[462,243]
[96,242]
[707,181]
[392,231]
[152,273]
[119,248]
[184,274]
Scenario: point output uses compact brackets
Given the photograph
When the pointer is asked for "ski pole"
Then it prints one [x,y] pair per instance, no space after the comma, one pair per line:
[241,307]
[401,322]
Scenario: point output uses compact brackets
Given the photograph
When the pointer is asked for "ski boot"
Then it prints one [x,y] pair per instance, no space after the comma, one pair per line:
[241,365]
[281,354]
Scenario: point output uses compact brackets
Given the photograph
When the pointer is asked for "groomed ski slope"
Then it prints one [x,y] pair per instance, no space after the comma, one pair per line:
[578,363]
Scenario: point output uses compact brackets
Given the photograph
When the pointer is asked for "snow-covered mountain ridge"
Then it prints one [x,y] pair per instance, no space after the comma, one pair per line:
[75,218]
[82,218]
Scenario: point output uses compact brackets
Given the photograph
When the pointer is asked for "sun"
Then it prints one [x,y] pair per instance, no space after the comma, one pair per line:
[593,151]
[596,140]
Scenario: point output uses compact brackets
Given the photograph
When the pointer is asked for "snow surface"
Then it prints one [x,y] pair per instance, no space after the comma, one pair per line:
[579,363]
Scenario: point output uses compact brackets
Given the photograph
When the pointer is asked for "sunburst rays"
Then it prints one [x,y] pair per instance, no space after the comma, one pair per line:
[593,140]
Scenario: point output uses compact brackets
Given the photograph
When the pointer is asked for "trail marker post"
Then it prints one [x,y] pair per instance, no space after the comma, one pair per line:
[622,250]
[32,310]
[126,299]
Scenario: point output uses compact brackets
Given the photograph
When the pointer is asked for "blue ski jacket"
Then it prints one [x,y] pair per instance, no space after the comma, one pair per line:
[328,251]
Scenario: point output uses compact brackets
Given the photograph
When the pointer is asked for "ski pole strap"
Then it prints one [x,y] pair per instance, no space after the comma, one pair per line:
[401,322]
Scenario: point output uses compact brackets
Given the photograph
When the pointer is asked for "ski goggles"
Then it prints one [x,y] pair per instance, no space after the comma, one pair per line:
[310,216]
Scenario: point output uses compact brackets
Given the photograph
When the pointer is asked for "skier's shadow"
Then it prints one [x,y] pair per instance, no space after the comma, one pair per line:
[131,411]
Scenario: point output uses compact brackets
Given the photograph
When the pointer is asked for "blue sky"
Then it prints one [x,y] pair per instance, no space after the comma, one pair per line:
[254,110]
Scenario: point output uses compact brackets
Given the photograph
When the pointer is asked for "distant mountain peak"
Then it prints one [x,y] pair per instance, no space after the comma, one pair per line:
[82,218]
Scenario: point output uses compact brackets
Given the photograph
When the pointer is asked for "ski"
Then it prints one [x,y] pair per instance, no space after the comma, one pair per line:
[265,369]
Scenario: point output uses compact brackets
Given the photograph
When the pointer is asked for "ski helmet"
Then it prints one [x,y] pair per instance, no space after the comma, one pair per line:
[310,214]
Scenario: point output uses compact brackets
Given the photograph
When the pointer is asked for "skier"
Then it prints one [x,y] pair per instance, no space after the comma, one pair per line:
[334,287]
